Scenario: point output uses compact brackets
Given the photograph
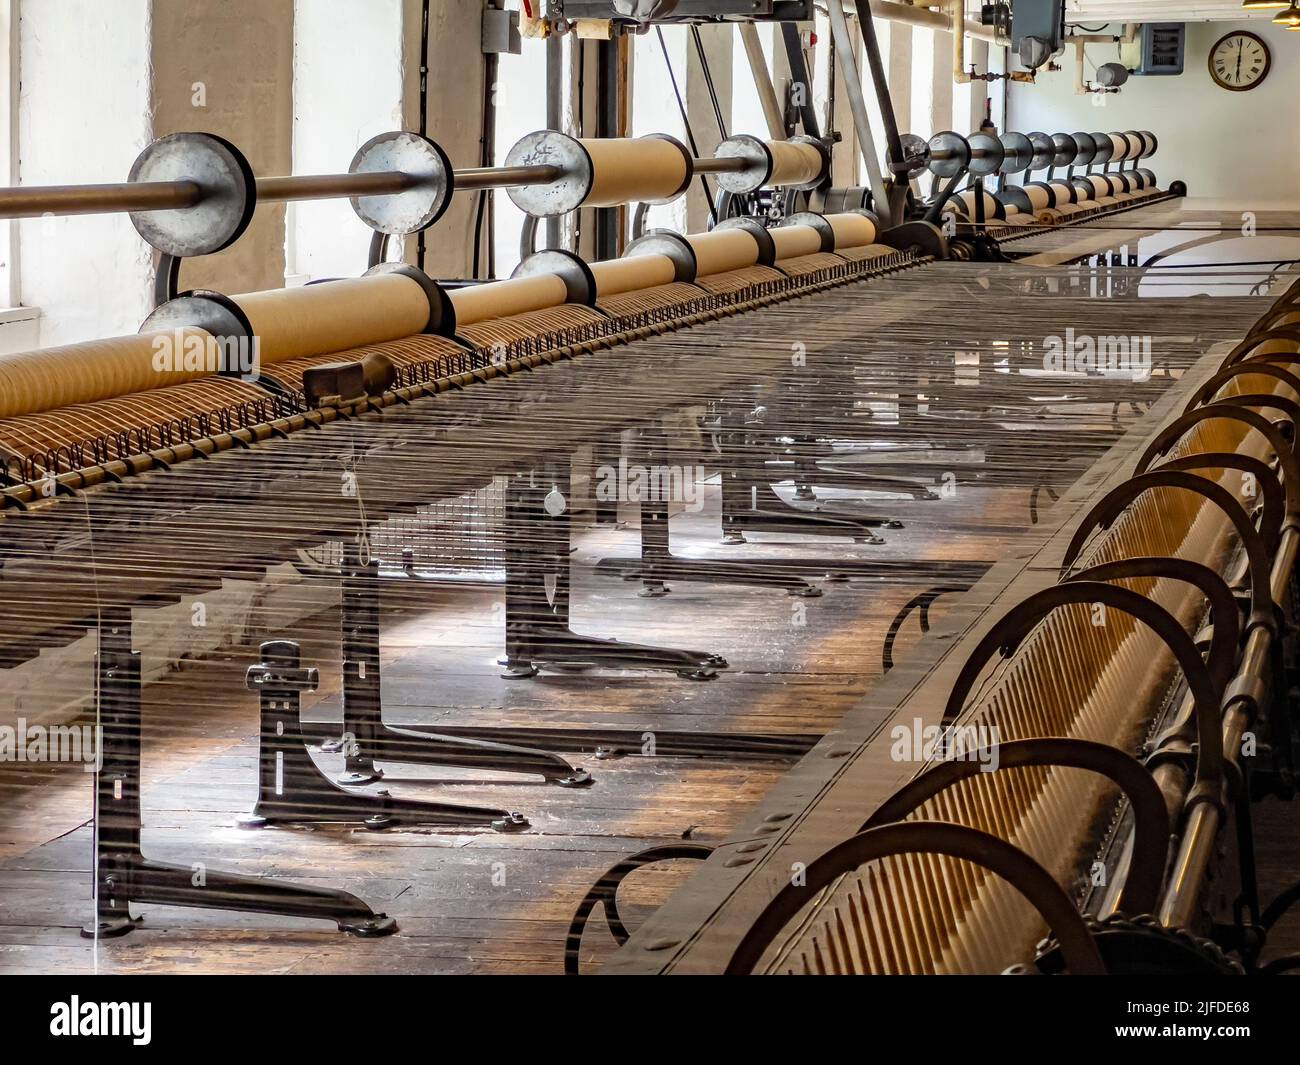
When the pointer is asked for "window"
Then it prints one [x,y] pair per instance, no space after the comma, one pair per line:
[347,87]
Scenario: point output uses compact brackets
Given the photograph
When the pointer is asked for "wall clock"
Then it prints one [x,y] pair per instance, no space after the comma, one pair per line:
[1239,61]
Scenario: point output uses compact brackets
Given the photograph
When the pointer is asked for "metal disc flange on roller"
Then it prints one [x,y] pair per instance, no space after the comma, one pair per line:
[1044,151]
[1066,149]
[216,314]
[949,153]
[1015,196]
[1149,144]
[1105,147]
[756,229]
[690,165]
[814,222]
[672,246]
[414,208]
[568,267]
[916,154]
[442,313]
[1017,153]
[226,194]
[758,164]
[567,192]
[986,154]
[1086,149]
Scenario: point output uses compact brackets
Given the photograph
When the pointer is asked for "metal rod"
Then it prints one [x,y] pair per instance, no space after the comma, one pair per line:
[733,164]
[763,81]
[880,82]
[844,51]
[331,186]
[799,69]
[554,112]
[33,201]
[127,197]
[504,177]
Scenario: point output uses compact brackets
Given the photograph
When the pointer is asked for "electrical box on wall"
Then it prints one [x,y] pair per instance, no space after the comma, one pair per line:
[1037,30]
[1162,48]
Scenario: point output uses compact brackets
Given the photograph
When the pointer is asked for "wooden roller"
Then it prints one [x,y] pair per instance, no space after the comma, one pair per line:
[287,324]
[852,230]
[615,276]
[335,316]
[35,381]
[635,169]
[1065,193]
[793,241]
[723,250]
[503,299]
[794,163]
[966,204]
[1040,197]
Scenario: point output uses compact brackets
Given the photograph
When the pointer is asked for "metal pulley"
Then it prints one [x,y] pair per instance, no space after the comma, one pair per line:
[950,153]
[916,155]
[1044,148]
[1017,153]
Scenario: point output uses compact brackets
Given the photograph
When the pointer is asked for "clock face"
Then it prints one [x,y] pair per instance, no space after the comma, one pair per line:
[1239,61]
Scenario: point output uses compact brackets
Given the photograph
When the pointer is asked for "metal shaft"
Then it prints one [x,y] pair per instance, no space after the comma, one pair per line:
[36,200]
[1197,846]
[723,165]
[504,177]
[332,186]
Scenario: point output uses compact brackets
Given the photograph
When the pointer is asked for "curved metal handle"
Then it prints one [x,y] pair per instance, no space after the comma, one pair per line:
[1082,958]
[1150,815]
[1118,499]
[1276,509]
[1223,604]
[1020,620]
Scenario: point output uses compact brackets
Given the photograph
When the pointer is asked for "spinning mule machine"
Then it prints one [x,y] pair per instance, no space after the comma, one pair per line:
[235,433]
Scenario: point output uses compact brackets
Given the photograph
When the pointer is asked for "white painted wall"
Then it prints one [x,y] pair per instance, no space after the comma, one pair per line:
[1244,145]
[347,87]
[83,114]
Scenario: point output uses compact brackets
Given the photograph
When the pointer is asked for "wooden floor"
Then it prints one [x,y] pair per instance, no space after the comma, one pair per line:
[475,901]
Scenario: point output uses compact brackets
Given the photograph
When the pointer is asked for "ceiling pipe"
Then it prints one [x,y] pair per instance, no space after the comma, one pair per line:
[935,20]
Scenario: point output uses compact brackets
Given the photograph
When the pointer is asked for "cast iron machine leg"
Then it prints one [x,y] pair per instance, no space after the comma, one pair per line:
[537,593]
[123,875]
[292,789]
[366,739]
